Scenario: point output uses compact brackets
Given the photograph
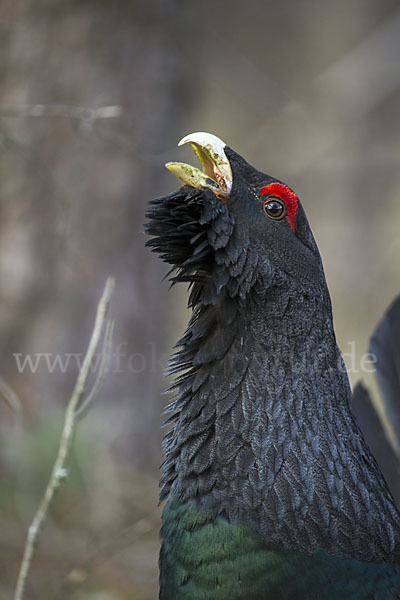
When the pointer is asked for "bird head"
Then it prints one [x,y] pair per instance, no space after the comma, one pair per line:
[231,227]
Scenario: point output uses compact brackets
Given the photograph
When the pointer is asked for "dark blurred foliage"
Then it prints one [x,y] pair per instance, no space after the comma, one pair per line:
[308,91]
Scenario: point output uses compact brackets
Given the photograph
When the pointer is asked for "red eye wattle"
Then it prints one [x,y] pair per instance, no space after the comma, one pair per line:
[284,194]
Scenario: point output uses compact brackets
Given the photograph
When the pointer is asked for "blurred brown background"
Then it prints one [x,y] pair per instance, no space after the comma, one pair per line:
[307,91]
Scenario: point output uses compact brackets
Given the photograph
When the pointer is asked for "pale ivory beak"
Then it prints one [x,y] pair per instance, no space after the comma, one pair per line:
[216,174]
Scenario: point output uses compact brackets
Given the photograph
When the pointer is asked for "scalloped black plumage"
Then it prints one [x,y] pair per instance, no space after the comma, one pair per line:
[264,449]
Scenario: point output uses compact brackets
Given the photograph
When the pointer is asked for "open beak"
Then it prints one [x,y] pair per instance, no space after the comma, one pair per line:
[216,174]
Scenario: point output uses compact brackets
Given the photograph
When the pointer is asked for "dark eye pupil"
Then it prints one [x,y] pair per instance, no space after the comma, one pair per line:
[274,209]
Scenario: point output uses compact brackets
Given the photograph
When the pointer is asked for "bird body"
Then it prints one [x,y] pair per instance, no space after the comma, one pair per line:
[270,488]
[212,558]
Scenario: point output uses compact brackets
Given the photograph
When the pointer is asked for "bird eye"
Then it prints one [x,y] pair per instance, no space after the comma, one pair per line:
[274,208]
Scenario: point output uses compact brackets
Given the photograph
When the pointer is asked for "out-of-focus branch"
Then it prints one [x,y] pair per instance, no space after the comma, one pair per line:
[60,110]
[101,327]
[88,401]
[11,398]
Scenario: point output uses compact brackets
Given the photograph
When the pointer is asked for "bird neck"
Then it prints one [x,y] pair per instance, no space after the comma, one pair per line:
[263,431]
[248,365]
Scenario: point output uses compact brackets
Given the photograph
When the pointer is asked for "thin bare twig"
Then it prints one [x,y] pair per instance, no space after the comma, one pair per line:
[83,409]
[11,398]
[59,472]
[60,111]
